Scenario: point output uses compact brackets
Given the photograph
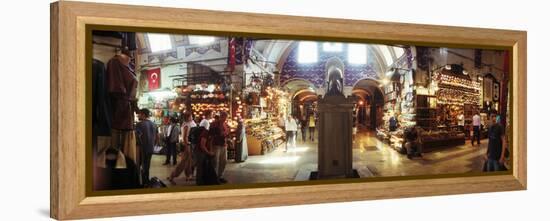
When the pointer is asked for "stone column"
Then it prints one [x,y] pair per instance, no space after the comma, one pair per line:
[335,137]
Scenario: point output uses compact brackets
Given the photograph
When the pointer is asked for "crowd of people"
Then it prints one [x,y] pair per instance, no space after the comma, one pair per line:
[292,125]
[199,151]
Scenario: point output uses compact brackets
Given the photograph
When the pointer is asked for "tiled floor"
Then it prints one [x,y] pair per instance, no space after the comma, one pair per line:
[371,157]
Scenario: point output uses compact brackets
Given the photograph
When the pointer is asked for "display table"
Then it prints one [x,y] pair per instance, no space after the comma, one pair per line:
[265,145]
[263,136]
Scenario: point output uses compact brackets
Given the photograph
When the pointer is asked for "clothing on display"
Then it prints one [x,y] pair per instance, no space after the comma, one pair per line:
[126,142]
[122,88]
[118,173]
[101,117]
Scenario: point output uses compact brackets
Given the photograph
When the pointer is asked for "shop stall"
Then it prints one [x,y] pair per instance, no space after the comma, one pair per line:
[261,108]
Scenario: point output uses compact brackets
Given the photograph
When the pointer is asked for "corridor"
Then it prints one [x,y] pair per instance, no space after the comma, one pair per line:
[371,158]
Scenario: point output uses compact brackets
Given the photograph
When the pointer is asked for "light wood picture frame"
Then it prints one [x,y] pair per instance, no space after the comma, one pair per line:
[69,198]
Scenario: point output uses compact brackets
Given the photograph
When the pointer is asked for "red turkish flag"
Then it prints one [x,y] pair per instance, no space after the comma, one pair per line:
[153,77]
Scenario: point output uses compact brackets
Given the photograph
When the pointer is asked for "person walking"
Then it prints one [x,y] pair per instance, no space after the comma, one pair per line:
[219,131]
[281,122]
[393,122]
[186,163]
[241,147]
[147,137]
[311,125]
[413,144]
[171,138]
[460,121]
[291,128]
[206,121]
[495,155]
[354,126]
[303,128]
[476,123]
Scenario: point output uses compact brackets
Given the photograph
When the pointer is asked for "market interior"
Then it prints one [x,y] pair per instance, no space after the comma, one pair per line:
[260,83]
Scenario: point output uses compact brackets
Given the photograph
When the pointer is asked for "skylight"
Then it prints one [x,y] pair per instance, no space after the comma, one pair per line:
[307,52]
[357,53]
[332,47]
[200,40]
[398,51]
[159,42]
[387,55]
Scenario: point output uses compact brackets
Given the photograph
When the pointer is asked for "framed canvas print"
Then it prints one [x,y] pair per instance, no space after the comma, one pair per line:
[163,110]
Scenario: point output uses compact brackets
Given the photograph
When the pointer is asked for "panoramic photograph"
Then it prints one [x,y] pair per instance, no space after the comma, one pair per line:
[175,110]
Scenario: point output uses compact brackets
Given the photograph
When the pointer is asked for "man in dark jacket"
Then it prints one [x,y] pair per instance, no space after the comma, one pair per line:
[497,145]
[147,137]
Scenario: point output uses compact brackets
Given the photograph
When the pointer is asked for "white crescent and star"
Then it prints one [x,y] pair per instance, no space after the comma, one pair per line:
[154,76]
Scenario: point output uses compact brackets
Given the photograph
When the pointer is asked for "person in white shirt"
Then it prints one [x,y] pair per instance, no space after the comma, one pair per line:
[476,123]
[281,121]
[291,128]
[460,121]
[206,121]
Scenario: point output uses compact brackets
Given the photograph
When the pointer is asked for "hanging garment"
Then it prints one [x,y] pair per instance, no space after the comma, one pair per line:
[126,142]
[102,142]
[101,117]
[129,40]
[122,88]
[118,173]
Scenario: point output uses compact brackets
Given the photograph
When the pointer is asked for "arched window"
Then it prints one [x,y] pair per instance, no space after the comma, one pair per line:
[357,53]
[307,52]
[159,42]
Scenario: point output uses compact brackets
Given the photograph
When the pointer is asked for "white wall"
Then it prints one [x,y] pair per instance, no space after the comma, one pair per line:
[24,165]
[168,71]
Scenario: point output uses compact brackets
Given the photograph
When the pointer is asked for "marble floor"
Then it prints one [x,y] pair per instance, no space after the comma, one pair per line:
[371,158]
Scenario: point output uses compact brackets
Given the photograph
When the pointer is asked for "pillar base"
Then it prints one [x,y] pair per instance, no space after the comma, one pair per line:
[314,175]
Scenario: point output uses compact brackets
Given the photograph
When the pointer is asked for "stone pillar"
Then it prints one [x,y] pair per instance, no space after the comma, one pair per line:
[335,138]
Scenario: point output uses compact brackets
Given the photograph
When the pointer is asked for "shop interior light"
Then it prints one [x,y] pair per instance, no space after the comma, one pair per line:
[464,72]
[385,81]
[448,67]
